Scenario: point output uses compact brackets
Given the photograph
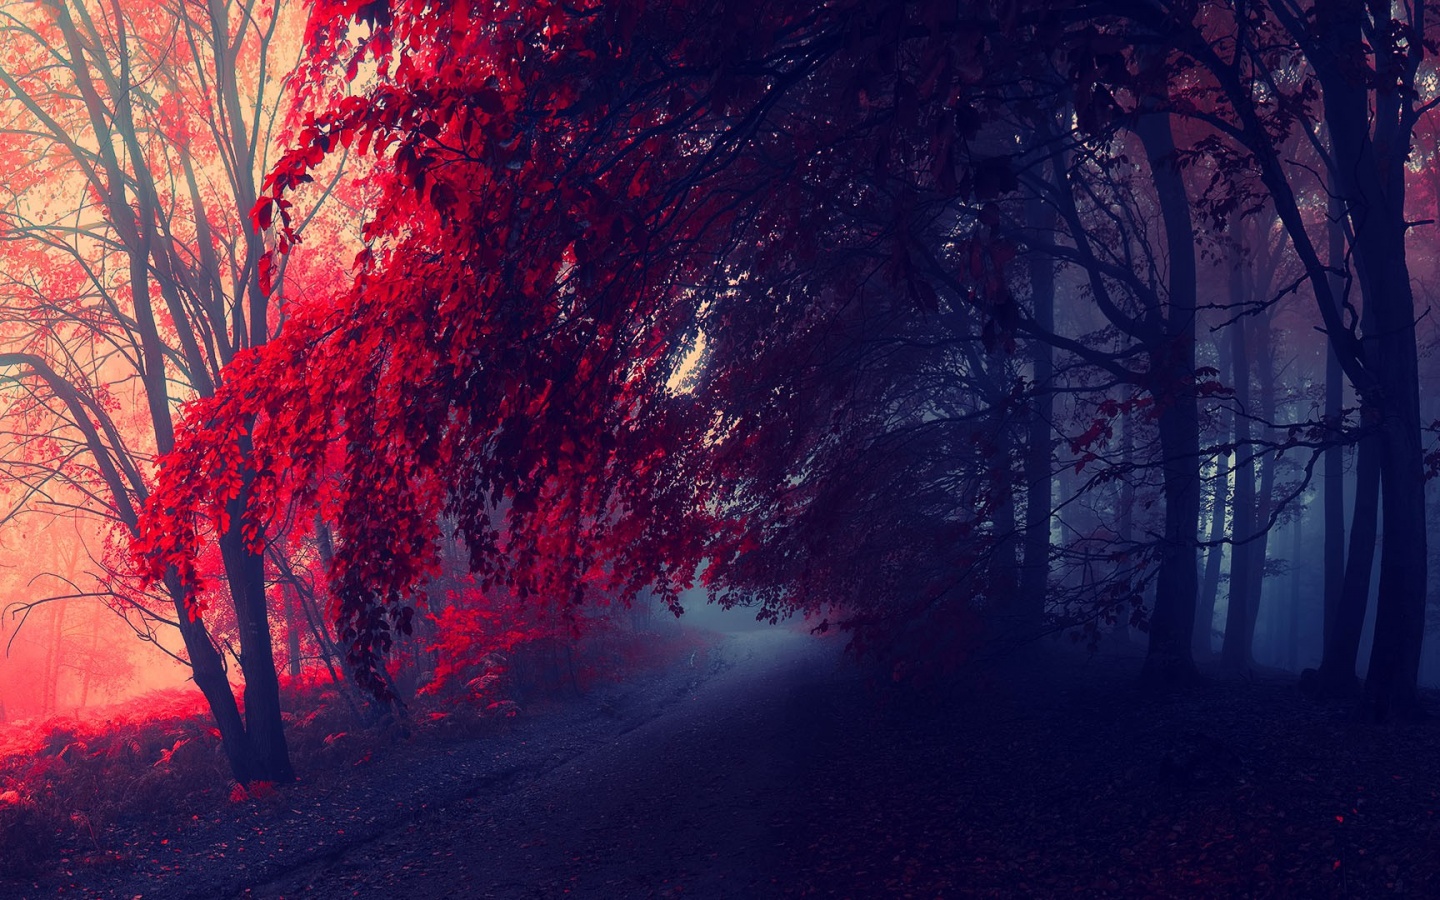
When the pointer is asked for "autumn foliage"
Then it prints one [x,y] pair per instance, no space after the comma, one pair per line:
[945,326]
[615,293]
[652,292]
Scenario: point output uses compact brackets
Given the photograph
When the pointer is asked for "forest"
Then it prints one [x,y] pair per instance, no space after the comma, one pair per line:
[1008,422]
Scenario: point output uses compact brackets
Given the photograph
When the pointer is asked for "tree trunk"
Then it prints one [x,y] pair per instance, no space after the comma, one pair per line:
[1241,605]
[292,632]
[1127,506]
[1170,660]
[1333,471]
[1210,586]
[1391,682]
[1260,341]
[1127,483]
[1210,589]
[1370,175]
[50,700]
[207,668]
[1371,180]
[264,728]
[1039,482]
[1005,558]
[1292,644]
[1342,649]
[88,676]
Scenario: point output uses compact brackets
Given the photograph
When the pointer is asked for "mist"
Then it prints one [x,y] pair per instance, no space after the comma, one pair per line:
[719,449]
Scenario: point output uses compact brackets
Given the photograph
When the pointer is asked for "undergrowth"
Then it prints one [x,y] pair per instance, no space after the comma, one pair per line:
[66,782]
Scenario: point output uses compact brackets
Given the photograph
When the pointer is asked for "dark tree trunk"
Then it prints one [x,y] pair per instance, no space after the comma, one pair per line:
[1260,341]
[1127,508]
[1240,607]
[1039,493]
[1170,660]
[1342,649]
[1127,484]
[1391,682]
[264,728]
[208,671]
[1004,560]
[1333,472]
[292,633]
[1292,644]
[1210,588]
[1214,558]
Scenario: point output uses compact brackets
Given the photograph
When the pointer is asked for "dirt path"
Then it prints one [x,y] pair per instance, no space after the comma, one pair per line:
[769,769]
[684,804]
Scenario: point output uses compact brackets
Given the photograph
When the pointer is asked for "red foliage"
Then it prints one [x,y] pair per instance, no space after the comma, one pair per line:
[572,204]
[255,790]
[476,634]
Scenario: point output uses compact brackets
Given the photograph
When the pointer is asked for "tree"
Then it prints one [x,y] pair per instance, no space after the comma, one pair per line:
[1252,352]
[130,273]
[1366,64]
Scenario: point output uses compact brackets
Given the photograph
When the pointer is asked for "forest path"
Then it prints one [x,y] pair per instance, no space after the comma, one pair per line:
[690,802]
[770,768]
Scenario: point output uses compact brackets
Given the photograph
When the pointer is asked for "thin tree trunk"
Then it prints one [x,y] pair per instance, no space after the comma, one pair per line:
[1210,589]
[1039,481]
[1292,647]
[1337,666]
[1333,471]
[88,676]
[1127,484]
[50,700]
[292,632]
[1239,616]
[1265,494]
[1005,559]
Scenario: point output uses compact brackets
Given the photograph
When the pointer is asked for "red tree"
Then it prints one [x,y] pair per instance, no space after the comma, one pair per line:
[133,139]
[573,204]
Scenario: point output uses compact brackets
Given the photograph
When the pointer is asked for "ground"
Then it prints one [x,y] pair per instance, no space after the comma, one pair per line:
[766,766]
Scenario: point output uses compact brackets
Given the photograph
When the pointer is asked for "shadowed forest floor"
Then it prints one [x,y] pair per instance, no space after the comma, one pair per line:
[765,767]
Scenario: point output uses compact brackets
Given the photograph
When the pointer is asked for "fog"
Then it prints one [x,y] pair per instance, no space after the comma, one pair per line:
[368,370]
[72,649]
